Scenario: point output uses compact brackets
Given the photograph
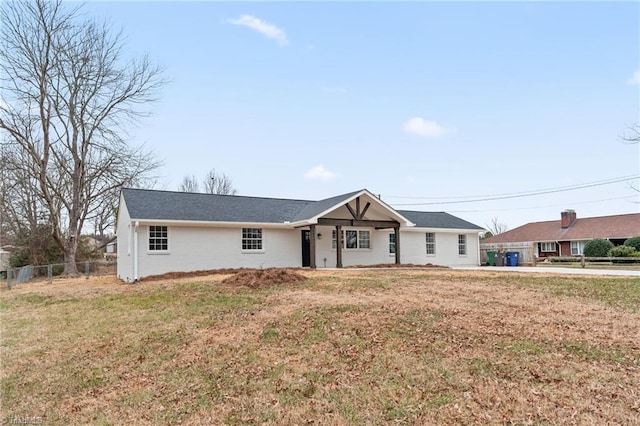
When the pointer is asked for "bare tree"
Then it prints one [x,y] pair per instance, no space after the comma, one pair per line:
[218,184]
[495,228]
[213,183]
[189,184]
[68,96]
[633,136]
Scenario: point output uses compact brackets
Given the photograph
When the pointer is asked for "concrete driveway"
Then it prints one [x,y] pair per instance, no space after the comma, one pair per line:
[552,270]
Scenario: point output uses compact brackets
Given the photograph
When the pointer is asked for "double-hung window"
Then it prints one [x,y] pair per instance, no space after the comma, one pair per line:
[462,245]
[352,239]
[158,238]
[576,248]
[392,243]
[431,243]
[251,238]
[548,247]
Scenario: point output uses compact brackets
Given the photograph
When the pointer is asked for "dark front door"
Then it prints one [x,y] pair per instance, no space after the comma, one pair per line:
[306,248]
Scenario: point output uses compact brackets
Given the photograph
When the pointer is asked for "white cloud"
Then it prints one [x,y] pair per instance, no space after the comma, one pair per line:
[264,28]
[635,80]
[421,127]
[320,173]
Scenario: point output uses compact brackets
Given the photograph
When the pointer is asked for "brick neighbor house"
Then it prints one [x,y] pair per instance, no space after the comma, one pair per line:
[564,237]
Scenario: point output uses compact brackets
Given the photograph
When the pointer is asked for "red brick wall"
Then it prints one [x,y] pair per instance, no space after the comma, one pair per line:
[565,248]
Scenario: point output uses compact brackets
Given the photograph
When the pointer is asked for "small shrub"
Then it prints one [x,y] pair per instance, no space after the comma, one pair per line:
[19,258]
[597,248]
[622,251]
[633,242]
[628,253]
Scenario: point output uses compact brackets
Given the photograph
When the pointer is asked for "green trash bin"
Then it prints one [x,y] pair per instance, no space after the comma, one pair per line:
[491,258]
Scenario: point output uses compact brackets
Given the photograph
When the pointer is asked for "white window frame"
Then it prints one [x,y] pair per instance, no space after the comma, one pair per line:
[430,244]
[544,247]
[364,243]
[246,236]
[579,246]
[358,239]
[157,239]
[462,245]
[392,244]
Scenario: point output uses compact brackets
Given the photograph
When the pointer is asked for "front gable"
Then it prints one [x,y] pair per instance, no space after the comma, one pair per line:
[359,208]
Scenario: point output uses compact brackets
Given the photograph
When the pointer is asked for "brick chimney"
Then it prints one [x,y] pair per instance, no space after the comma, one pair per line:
[567,218]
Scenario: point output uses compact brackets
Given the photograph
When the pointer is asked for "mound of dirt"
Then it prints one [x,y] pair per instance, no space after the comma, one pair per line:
[175,275]
[255,278]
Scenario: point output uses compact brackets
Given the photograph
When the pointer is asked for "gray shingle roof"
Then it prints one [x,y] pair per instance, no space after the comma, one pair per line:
[145,204]
[165,205]
[315,208]
[440,220]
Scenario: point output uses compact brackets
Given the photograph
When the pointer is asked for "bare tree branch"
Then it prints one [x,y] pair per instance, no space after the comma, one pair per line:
[218,184]
[495,228]
[189,184]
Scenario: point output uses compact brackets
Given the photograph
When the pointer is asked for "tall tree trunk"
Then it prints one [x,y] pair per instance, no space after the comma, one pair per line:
[70,251]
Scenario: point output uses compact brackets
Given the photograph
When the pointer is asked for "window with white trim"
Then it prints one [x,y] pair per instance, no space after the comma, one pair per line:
[431,243]
[364,240]
[392,243]
[352,239]
[462,245]
[576,248]
[251,238]
[158,238]
[548,247]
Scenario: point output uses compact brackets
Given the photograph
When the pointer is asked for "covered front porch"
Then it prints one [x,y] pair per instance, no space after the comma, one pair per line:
[362,230]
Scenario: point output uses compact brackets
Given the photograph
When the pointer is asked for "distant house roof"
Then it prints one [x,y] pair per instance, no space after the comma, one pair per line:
[144,204]
[612,227]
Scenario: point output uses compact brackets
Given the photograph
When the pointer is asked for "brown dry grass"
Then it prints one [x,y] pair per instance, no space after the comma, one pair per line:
[344,347]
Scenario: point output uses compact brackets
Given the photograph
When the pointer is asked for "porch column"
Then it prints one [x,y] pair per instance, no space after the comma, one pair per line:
[312,247]
[396,231]
[338,246]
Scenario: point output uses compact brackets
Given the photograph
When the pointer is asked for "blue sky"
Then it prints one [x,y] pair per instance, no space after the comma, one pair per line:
[415,101]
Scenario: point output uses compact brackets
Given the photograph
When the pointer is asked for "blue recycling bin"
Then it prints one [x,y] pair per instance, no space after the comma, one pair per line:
[512,258]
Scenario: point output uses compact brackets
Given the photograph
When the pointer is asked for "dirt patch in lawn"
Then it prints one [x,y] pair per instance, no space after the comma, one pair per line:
[264,278]
[177,275]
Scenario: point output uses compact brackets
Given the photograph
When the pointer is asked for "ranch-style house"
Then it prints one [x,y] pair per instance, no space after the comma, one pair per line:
[163,231]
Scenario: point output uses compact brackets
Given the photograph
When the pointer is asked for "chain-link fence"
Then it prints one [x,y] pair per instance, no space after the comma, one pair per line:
[31,273]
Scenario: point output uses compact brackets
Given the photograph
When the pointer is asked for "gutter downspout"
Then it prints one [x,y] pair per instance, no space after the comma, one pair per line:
[135,251]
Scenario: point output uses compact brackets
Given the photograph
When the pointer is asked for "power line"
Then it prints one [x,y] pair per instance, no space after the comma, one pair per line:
[540,207]
[576,186]
[476,199]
